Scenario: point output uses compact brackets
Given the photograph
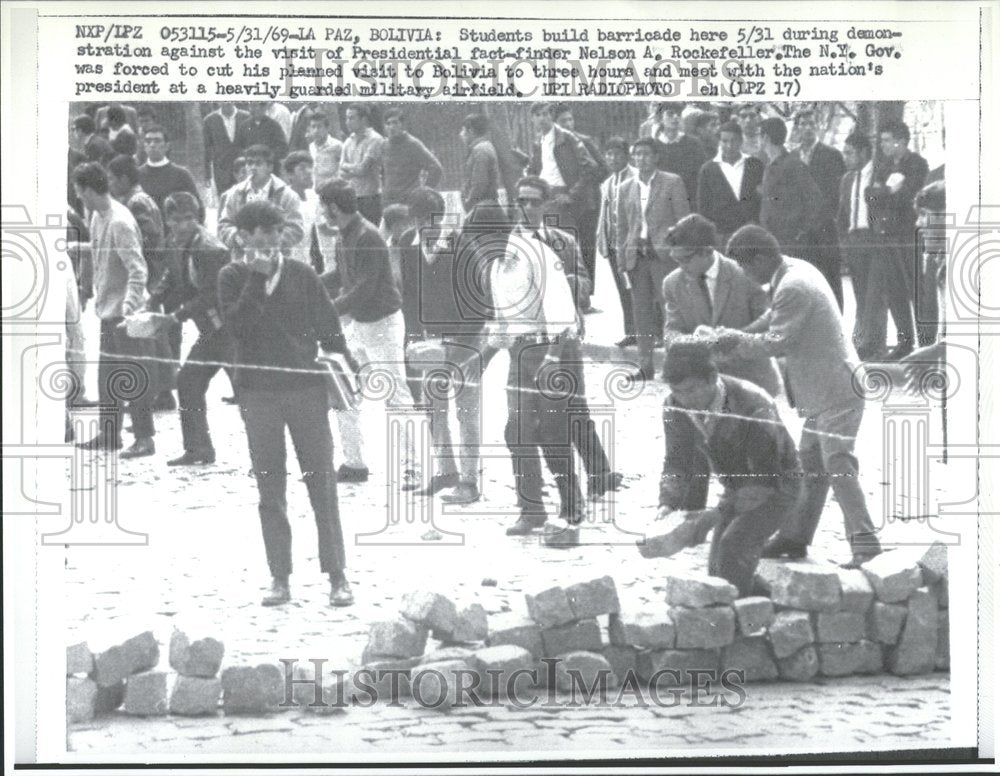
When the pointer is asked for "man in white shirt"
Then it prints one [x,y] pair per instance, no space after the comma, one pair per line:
[324,149]
[727,184]
[299,174]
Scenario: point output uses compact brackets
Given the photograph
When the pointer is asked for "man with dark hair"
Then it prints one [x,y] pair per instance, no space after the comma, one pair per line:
[261,129]
[708,290]
[369,302]
[821,368]
[897,179]
[616,156]
[406,162]
[324,149]
[718,426]
[120,134]
[482,168]
[749,118]
[299,174]
[651,202]
[677,153]
[705,129]
[728,185]
[277,311]
[361,162]
[219,130]
[123,178]
[94,147]
[262,185]
[190,284]
[159,176]
[119,276]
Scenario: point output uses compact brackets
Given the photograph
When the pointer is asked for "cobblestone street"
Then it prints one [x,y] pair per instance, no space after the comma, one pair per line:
[204,571]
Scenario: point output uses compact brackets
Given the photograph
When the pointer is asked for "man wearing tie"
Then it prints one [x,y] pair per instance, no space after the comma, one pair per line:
[616,157]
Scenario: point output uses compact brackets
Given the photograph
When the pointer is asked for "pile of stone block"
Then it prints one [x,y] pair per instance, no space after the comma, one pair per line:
[98,684]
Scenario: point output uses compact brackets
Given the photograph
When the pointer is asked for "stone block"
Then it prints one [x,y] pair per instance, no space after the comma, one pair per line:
[622,660]
[752,657]
[894,575]
[588,674]
[195,696]
[550,608]
[388,663]
[502,671]
[437,685]
[789,633]
[446,653]
[510,628]
[383,681]
[202,657]
[856,594]
[252,689]
[471,625]
[397,638]
[432,610]
[934,563]
[81,694]
[643,630]
[713,626]
[942,656]
[334,692]
[673,667]
[800,666]
[593,598]
[79,660]
[916,649]
[697,590]
[885,621]
[146,694]
[582,636]
[840,627]
[862,657]
[109,698]
[138,653]
[805,584]
[754,614]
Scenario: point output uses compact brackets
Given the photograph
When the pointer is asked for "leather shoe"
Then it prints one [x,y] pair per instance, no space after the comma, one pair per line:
[526,524]
[279,594]
[561,535]
[864,547]
[141,448]
[101,442]
[347,473]
[340,592]
[465,493]
[627,341]
[438,483]
[779,547]
[192,457]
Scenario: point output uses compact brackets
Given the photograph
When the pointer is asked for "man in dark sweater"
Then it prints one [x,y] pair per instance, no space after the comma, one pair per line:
[261,129]
[276,310]
[676,152]
[159,177]
[369,301]
[406,162]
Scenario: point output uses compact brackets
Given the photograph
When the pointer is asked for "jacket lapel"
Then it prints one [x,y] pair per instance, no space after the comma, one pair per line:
[723,286]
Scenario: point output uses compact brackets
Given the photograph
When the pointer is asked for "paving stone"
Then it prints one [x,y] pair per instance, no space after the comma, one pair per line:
[754,614]
[894,575]
[501,670]
[800,666]
[471,625]
[856,594]
[862,657]
[397,638]
[643,630]
[673,667]
[885,622]
[334,690]
[593,598]
[789,632]
[446,653]
[584,635]
[252,689]
[696,590]
[942,656]
[81,693]
[840,627]
[109,698]
[432,610]
[510,628]
[934,563]
[146,694]
[195,696]
[805,584]
[621,659]
[436,685]
[713,626]
[79,660]
[202,657]
[585,672]
[550,608]
[753,657]
[138,653]
[915,651]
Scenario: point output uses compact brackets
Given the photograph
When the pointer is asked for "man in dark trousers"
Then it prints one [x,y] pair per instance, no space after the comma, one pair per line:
[718,426]
[221,150]
[616,155]
[677,153]
[191,281]
[481,175]
[728,185]
[277,310]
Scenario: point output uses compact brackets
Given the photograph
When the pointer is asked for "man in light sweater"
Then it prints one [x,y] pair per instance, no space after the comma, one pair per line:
[361,162]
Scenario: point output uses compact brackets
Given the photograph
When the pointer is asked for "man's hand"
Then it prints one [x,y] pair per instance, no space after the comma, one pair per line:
[261,265]
[727,340]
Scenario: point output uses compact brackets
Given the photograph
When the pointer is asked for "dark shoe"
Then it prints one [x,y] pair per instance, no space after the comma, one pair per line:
[192,457]
[351,474]
[141,448]
[590,310]
[438,483]
[864,547]
[101,442]
[627,341]
[561,535]
[465,493]
[340,592]
[599,484]
[165,402]
[229,400]
[526,524]
[280,594]
[779,547]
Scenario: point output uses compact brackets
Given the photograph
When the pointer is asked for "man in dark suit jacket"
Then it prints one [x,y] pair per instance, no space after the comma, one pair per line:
[709,290]
[649,204]
[826,166]
[221,150]
[261,129]
[728,185]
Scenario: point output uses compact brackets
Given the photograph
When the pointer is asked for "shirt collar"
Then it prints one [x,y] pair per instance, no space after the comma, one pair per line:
[713,271]
[272,282]
[162,163]
[737,163]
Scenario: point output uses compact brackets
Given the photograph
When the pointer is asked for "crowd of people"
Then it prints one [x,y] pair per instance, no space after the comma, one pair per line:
[725,247]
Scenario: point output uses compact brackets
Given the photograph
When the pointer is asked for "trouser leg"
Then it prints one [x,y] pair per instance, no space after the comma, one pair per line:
[800,527]
[349,420]
[644,312]
[624,297]
[583,431]
[192,385]
[109,376]
[521,432]
[468,397]
[900,293]
[837,450]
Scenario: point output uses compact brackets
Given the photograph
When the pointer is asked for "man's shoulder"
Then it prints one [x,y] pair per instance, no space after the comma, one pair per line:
[666,179]
[746,397]
[674,280]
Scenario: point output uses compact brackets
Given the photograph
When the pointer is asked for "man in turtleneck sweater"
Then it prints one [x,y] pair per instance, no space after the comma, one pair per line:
[404,160]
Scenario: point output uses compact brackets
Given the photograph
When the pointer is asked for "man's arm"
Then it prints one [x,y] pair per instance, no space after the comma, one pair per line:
[706,197]
[210,263]
[371,158]
[430,164]
[787,323]
[678,198]
[129,250]
[226,230]
[479,177]
[673,321]
[294,228]
[325,320]
[240,299]
[372,253]
[186,183]
[602,222]
[589,170]
[679,471]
